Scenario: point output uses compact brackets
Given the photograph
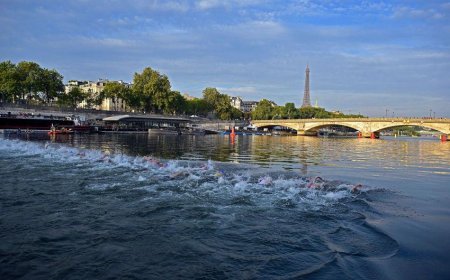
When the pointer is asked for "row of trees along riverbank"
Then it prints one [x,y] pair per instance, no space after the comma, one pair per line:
[150,92]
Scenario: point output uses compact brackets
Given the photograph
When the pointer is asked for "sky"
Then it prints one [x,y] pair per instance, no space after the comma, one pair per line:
[376,58]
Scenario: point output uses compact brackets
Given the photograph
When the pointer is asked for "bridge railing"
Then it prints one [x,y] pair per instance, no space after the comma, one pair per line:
[395,119]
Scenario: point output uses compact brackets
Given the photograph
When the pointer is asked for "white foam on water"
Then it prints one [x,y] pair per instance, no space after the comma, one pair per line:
[102,186]
[141,178]
[240,186]
[192,178]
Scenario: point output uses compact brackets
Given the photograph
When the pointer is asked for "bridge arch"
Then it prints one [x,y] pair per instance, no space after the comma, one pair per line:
[293,127]
[323,125]
[412,124]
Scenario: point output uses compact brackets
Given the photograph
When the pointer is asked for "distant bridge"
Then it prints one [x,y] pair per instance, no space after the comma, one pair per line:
[368,127]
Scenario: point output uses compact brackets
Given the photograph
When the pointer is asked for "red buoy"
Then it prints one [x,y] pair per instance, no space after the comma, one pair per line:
[232,132]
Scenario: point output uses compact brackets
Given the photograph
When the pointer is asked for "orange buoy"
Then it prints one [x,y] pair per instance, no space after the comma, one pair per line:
[232,132]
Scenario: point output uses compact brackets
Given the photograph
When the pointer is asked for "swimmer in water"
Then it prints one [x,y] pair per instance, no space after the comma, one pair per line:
[315,183]
[356,188]
[105,156]
[267,180]
[153,161]
[81,154]
[178,174]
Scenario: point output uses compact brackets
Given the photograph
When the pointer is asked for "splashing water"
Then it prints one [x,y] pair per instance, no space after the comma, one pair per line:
[149,216]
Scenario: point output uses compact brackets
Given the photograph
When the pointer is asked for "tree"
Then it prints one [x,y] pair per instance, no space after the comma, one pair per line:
[151,89]
[223,107]
[236,113]
[197,106]
[174,103]
[9,87]
[114,91]
[313,112]
[211,97]
[29,75]
[51,84]
[289,111]
[73,97]
[264,110]
[220,104]
[132,99]
[29,80]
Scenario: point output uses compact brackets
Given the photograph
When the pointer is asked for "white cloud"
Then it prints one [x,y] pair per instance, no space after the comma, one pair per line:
[105,42]
[212,4]
[408,12]
[253,30]
[238,90]
[208,4]
[176,6]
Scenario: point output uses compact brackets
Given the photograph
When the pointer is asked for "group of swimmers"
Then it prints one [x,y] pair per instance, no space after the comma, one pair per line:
[319,183]
[311,183]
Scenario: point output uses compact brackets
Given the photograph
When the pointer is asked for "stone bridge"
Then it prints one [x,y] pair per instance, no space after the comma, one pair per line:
[368,127]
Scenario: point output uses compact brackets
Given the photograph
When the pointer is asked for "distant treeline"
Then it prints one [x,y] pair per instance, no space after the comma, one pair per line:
[150,92]
[266,111]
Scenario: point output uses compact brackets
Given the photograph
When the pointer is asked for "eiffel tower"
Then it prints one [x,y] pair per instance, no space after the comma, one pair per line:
[306,96]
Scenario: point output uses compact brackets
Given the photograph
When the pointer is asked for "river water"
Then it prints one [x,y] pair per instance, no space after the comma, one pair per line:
[118,206]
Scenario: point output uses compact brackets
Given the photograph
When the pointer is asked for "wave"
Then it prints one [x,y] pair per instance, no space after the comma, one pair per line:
[241,182]
[274,222]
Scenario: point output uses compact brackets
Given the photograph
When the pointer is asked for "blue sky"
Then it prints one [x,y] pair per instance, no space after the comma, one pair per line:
[365,56]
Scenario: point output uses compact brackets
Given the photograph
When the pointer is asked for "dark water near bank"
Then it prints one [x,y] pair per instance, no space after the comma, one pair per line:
[168,207]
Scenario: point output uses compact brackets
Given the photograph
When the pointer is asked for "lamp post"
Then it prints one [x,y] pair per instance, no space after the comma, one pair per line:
[387,112]
[430,113]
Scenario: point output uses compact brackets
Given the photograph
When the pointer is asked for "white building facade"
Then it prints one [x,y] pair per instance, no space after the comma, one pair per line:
[93,89]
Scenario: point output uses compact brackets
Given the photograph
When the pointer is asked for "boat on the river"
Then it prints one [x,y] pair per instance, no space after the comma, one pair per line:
[28,121]
[39,123]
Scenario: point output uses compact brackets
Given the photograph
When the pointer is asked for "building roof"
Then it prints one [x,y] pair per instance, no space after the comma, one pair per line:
[144,118]
[116,118]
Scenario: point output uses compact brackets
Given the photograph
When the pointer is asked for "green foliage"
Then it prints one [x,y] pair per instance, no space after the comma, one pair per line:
[72,98]
[114,91]
[211,97]
[197,106]
[28,74]
[265,110]
[220,104]
[9,85]
[289,111]
[174,103]
[51,85]
[236,113]
[151,89]
[313,112]
[28,80]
